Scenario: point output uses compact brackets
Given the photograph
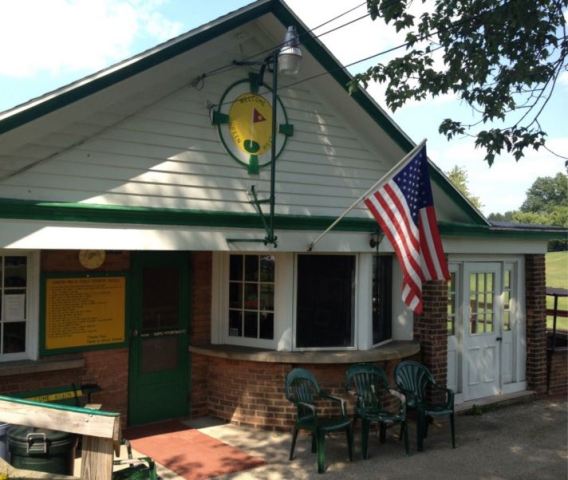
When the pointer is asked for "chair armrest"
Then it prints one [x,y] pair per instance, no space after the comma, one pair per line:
[402,399]
[449,394]
[341,401]
[309,406]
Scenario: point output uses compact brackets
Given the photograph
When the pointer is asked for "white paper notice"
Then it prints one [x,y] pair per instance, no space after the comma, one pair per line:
[14,308]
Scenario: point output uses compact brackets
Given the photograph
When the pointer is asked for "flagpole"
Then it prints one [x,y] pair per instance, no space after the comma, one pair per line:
[390,173]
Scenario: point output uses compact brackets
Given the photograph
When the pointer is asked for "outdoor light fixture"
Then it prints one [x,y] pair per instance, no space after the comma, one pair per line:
[290,55]
[285,59]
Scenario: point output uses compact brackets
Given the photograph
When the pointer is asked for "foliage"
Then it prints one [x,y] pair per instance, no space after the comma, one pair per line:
[547,192]
[458,177]
[499,57]
[502,217]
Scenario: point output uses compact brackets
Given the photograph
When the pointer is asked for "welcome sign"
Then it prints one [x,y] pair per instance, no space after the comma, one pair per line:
[244,120]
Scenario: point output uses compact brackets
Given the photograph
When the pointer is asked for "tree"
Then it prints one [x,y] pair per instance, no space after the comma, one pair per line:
[458,177]
[546,193]
[500,57]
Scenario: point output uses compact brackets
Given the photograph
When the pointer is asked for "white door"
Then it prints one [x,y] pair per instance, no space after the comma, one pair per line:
[482,330]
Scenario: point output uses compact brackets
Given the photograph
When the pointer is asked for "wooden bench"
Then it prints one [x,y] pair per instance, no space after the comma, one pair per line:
[73,395]
[100,430]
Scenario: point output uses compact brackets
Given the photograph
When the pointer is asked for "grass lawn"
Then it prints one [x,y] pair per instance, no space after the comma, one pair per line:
[557,276]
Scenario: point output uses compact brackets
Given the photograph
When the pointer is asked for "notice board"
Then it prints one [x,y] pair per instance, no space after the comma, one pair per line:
[84,312]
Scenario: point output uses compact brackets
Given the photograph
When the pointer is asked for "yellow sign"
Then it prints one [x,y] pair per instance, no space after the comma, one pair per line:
[250,123]
[244,119]
[83,312]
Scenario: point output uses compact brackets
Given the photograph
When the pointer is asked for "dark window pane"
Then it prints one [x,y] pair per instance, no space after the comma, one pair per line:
[160,353]
[14,337]
[236,269]
[15,271]
[251,327]
[382,298]
[251,296]
[235,323]
[236,295]
[267,268]
[251,268]
[267,326]
[267,297]
[325,301]
[160,298]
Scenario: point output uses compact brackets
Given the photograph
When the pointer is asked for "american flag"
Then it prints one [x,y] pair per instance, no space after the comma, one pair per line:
[404,208]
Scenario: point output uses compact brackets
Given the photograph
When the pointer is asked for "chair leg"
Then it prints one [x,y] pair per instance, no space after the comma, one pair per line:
[402,427]
[364,437]
[404,430]
[427,421]
[383,432]
[349,432]
[314,442]
[452,430]
[294,437]
[420,431]
[320,446]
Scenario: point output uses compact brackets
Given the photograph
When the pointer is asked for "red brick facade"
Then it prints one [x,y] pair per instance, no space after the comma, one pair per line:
[108,368]
[558,383]
[252,393]
[430,329]
[535,299]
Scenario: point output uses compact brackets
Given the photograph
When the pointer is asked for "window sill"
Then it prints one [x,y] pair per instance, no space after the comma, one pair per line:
[394,350]
[27,367]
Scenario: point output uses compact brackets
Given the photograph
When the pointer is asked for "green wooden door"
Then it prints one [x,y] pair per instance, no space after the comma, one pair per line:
[159,359]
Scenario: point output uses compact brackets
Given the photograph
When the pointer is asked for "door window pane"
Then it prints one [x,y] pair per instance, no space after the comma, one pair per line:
[382,298]
[325,301]
[160,301]
[452,304]
[507,294]
[481,294]
[159,353]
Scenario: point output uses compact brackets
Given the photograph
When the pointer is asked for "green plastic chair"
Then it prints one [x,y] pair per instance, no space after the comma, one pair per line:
[303,391]
[370,385]
[415,381]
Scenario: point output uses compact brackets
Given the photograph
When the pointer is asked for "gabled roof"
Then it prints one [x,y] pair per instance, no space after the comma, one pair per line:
[67,95]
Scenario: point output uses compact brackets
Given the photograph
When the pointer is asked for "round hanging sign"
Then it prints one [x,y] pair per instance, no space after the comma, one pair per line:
[244,120]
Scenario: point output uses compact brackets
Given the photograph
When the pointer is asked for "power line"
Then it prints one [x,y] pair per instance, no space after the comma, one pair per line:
[230,66]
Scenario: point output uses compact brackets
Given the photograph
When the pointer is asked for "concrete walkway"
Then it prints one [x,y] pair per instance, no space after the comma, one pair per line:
[527,441]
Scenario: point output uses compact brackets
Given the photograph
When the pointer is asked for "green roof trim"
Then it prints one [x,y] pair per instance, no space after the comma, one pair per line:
[94,213]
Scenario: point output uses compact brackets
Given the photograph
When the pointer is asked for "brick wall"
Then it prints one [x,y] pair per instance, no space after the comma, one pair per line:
[430,329]
[108,368]
[535,295]
[252,393]
[558,383]
[200,332]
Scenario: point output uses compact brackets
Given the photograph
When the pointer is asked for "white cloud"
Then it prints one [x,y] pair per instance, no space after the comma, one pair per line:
[75,35]
[502,186]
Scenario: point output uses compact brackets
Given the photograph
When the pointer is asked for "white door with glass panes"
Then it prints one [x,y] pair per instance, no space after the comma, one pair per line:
[482,330]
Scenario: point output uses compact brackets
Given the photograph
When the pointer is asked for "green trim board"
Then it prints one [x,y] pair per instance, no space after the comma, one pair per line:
[55,406]
[113,214]
[160,54]
[44,351]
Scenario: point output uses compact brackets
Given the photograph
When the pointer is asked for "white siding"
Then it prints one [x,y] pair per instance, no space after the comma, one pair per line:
[169,155]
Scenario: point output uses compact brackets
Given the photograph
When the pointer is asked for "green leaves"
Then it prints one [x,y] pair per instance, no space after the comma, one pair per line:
[501,57]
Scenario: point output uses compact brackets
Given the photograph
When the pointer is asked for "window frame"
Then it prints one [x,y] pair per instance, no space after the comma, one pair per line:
[220,302]
[32,306]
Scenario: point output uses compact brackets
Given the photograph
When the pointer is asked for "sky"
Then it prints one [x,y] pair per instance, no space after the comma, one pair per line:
[45,44]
